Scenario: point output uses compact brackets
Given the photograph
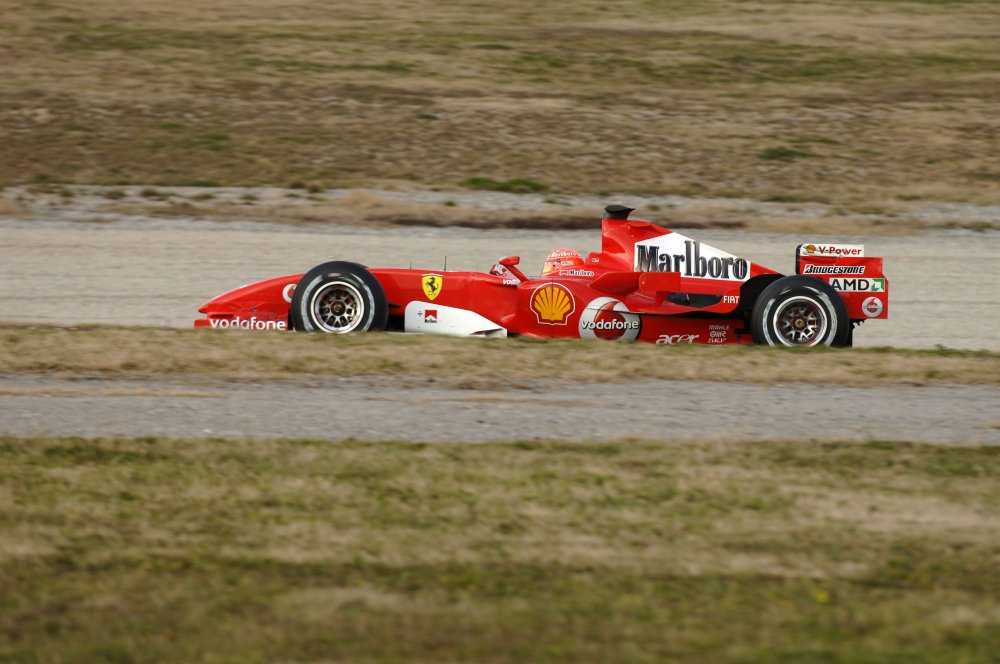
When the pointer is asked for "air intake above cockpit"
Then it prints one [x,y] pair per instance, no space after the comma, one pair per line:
[615,211]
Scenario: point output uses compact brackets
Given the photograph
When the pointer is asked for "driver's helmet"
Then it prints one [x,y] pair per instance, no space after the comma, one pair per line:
[560,259]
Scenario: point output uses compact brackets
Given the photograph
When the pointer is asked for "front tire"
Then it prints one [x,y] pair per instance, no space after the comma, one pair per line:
[800,311]
[339,298]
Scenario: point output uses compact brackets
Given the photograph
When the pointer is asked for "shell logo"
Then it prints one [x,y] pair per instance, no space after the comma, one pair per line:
[811,248]
[552,303]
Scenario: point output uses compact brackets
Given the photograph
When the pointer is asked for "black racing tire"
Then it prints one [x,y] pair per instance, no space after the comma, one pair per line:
[800,311]
[339,298]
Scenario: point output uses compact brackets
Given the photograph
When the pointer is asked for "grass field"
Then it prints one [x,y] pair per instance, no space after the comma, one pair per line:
[862,105]
[138,352]
[229,551]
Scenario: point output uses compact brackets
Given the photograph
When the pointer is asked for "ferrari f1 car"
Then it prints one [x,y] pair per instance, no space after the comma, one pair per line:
[646,283]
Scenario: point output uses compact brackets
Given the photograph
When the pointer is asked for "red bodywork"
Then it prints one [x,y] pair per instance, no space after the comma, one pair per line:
[646,283]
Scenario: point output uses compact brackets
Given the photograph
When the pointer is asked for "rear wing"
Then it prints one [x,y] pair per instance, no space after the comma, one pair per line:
[858,278]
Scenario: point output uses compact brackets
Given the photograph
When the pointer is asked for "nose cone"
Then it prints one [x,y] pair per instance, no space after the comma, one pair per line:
[245,298]
[220,303]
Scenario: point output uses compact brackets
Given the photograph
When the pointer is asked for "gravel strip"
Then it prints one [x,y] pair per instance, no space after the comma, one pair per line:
[426,410]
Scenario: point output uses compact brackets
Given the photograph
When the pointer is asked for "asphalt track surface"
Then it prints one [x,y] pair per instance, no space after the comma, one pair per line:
[157,272]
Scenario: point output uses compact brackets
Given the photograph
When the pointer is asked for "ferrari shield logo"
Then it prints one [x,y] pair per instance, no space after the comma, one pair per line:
[432,284]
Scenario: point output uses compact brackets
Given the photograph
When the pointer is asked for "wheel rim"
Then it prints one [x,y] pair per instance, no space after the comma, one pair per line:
[800,321]
[337,307]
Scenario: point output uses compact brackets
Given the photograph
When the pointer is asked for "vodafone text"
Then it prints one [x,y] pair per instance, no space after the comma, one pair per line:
[247,324]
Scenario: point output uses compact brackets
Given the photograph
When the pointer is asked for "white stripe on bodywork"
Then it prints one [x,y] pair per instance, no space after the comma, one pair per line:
[451,321]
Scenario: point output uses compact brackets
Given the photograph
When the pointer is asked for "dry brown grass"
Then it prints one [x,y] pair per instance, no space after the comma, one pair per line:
[471,363]
[201,550]
[364,207]
[797,101]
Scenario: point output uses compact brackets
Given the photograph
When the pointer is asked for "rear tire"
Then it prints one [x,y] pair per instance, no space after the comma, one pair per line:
[339,298]
[800,311]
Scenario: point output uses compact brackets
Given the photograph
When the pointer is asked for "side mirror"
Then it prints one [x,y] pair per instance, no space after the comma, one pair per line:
[510,262]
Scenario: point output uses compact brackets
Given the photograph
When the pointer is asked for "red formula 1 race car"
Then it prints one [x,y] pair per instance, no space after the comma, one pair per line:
[646,283]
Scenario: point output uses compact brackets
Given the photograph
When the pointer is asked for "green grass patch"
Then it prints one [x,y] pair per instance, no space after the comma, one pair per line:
[783,153]
[167,550]
[213,141]
[514,185]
